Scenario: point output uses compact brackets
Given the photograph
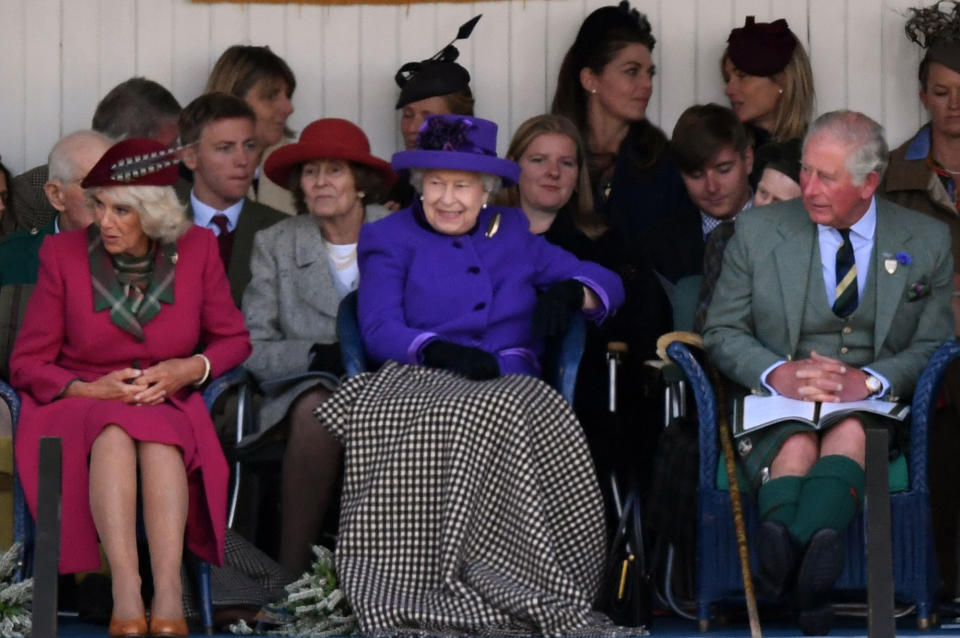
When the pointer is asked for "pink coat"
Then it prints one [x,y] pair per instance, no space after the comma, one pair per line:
[64,339]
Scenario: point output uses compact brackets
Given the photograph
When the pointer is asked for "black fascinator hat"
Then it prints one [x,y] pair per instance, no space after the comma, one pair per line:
[438,75]
[936,28]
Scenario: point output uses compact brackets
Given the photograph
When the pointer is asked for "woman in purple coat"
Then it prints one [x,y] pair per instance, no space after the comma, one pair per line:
[470,503]
[451,282]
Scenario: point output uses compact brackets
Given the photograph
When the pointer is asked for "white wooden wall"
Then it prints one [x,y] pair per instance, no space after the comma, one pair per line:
[59,57]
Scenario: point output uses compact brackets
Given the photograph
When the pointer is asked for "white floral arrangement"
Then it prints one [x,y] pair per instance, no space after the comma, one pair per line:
[315,606]
[15,597]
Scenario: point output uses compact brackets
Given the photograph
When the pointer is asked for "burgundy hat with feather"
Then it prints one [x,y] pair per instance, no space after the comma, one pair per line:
[135,162]
[761,48]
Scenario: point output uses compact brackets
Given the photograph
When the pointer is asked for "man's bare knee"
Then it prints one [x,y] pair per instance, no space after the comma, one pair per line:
[796,456]
[846,438]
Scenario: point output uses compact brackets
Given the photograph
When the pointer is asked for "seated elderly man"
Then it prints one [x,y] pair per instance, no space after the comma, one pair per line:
[833,297]
[69,161]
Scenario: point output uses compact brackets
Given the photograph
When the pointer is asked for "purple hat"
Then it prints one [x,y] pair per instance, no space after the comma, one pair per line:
[458,143]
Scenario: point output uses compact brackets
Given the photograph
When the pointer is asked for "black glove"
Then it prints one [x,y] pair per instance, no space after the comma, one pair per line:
[325,357]
[472,363]
[556,306]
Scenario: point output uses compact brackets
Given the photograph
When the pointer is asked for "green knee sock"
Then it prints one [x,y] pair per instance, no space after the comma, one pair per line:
[777,499]
[829,497]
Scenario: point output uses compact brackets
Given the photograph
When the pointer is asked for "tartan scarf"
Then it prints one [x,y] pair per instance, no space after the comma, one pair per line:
[130,287]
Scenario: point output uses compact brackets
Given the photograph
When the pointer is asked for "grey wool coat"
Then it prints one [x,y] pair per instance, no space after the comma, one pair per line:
[289,305]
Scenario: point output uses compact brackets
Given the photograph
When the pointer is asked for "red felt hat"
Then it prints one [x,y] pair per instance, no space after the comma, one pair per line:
[761,48]
[327,138]
[135,162]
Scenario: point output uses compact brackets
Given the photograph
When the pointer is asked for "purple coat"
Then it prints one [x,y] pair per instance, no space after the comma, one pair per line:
[417,285]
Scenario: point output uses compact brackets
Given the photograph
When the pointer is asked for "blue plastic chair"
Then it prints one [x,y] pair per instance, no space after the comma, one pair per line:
[560,364]
[23,528]
[914,563]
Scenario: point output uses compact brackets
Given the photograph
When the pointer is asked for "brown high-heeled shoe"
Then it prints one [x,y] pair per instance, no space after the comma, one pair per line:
[168,628]
[129,628]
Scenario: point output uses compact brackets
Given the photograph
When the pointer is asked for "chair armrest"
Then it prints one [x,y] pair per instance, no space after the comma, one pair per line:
[348,334]
[925,397]
[570,351]
[230,378]
[706,410]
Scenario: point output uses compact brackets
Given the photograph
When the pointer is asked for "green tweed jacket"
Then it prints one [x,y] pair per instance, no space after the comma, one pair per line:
[755,319]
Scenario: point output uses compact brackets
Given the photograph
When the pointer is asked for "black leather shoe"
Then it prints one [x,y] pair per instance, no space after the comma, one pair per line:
[820,568]
[778,553]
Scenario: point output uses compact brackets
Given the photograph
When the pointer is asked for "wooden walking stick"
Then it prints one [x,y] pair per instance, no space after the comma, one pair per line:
[740,527]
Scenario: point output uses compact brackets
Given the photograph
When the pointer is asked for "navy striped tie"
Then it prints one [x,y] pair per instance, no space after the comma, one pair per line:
[847,297]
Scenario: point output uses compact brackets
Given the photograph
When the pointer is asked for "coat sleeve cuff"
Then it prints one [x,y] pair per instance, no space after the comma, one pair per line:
[413,351]
[597,315]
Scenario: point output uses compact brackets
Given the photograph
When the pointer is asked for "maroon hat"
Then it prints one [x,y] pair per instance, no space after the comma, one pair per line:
[135,162]
[761,48]
[327,138]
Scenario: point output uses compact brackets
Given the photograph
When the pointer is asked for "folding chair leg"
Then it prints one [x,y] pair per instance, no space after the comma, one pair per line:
[205,595]
[47,554]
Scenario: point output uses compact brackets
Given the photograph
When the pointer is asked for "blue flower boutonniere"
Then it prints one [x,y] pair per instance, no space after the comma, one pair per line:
[904,258]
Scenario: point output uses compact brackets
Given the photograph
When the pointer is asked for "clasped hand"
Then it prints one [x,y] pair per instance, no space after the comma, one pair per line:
[819,378]
[141,387]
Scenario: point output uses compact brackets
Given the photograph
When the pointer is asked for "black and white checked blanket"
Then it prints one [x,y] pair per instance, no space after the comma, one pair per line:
[468,507]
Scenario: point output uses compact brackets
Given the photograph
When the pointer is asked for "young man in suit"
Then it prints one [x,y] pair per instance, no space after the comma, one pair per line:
[713,151]
[836,296]
[218,131]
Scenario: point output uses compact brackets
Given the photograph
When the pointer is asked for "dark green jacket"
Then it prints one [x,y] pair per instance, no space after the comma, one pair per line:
[20,255]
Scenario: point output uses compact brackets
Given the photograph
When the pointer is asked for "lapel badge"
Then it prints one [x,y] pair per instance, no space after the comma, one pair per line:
[493,226]
[890,265]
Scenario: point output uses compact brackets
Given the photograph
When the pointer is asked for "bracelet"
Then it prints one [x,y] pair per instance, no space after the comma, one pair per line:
[206,371]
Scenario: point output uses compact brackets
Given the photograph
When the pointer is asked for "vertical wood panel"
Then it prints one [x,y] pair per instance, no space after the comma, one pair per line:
[341,61]
[304,56]
[416,40]
[154,40]
[714,21]
[828,53]
[13,97]
[760,9]
[191,50]
[228,26]
[652,10]
[564,18]
[56,69]
[902,112]
[528,71]
[678,62]
[864,82]
[378,63]
[42,82]
[490,82]
[117,43]
[266,25]
[81,85]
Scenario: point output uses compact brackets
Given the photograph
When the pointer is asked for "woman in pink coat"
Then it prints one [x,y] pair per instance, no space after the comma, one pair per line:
[129,317]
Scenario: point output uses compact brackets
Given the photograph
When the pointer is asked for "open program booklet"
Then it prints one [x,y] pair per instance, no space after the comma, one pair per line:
[754,413]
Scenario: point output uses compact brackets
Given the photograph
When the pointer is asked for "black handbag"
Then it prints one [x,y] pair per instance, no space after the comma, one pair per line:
[626,594]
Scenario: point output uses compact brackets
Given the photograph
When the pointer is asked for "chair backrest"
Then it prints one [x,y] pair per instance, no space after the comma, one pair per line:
[13,305]
[561,359]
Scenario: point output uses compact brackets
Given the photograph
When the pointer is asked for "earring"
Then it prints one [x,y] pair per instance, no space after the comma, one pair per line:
[781,91]
[594,91]
[484,205]
[361,194]
[421,198]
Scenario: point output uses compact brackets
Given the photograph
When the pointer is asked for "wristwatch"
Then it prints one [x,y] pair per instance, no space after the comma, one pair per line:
[874,385]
